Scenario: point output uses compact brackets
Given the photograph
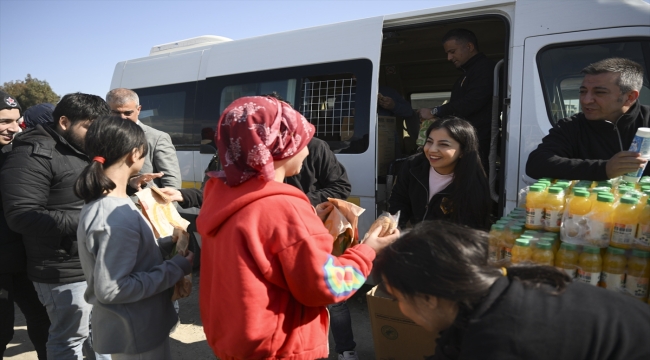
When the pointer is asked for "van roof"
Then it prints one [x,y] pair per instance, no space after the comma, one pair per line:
[187,44]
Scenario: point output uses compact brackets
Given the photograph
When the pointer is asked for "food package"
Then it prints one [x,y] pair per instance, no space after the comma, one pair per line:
[387,222]
[160,212]
[341,218]
[164,220]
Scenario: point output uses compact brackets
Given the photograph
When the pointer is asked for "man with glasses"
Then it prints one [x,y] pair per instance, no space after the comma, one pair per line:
[162,153]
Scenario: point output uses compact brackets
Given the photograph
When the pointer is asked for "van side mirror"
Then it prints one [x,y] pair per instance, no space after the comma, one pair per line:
[207,149]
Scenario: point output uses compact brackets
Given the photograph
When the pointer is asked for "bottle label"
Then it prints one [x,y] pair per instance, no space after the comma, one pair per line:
[588,277]
[570,272]
[623,233]
[534,216]
[506,253]
[611,281]
[643,234]
[637,286]
[599,232]
[553,219]
[641,145]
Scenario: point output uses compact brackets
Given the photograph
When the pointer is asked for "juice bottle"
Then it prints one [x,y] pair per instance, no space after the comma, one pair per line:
[542,254]
[566,259]
[638,274]
[552,240]
[625,219]
[643,231]
[590,265]
[600,221]
[494,242]
[593,193]
[553,209]
[534,207]
[580,204]
[521,252]
[613,275]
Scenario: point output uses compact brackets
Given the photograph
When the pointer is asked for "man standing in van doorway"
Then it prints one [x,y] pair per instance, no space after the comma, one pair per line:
[162,153]
[471,96]
[592,144]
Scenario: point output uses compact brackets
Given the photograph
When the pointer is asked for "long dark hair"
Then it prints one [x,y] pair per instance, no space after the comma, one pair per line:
[450,261]
[470,193]
[112,138]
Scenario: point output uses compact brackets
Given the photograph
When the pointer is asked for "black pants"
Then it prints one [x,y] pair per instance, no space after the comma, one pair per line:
[16,287]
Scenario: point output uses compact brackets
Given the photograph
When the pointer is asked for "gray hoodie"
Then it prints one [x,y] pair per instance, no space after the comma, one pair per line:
[129,283]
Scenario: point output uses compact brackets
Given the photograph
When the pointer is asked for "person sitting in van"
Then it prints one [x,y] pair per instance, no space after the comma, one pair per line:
[471,96]
[440,275]
[593,144]
[446,180]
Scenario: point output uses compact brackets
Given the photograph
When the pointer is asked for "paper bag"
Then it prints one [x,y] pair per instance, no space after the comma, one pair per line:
[164,218]
[341,219]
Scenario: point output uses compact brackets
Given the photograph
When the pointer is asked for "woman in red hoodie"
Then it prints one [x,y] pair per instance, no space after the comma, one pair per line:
[267,271]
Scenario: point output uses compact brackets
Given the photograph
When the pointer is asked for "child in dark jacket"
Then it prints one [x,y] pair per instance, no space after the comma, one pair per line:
[129,283]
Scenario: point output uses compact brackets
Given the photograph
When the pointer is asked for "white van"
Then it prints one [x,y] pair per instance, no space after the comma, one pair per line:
[184,86]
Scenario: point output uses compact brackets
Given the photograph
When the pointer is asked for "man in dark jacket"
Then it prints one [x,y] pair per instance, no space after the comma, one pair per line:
[593,144]
[322,176]
[37,181]
[471,96]
[15,286]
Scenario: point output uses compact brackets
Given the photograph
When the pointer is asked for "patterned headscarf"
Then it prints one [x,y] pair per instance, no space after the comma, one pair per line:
[254,131]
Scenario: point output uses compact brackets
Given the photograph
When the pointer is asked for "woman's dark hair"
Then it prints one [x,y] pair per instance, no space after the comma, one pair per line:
[450,261]
[112,138]
[470,193]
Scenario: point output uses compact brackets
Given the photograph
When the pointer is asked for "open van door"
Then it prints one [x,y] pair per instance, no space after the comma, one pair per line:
[330,73]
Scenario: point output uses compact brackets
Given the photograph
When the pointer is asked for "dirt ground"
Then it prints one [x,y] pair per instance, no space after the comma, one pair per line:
[188,340]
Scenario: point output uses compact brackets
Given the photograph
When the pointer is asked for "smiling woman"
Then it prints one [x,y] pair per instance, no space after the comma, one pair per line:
[446,180]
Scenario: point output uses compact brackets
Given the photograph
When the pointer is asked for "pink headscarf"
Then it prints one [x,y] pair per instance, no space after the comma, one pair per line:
[254,131]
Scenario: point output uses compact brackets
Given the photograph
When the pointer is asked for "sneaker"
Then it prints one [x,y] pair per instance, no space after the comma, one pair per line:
[348,355]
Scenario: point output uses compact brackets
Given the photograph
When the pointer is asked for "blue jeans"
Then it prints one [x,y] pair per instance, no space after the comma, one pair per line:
[69,314]
[341,326]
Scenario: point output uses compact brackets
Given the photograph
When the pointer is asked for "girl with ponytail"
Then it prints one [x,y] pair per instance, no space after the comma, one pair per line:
[129,284]
[439,274]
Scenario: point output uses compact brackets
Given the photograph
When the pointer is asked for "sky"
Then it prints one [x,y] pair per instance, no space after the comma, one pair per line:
[75,45]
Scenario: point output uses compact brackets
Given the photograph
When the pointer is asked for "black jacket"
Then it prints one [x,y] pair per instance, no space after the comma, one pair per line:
[322,175]
[517,322]
[37,181]
[411,192]
[471,96]
[12,250]
[578,149]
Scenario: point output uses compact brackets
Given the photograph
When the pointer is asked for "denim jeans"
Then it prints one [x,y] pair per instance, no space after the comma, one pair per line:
[341,326]
[70,317]
[17,288]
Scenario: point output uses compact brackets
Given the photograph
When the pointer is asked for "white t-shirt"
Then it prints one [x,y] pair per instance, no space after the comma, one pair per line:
[438,182]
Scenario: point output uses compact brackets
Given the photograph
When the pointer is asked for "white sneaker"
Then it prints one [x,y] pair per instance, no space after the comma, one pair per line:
[348,355]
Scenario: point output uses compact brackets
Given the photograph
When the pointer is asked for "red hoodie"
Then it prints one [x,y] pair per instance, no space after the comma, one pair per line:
[267,272]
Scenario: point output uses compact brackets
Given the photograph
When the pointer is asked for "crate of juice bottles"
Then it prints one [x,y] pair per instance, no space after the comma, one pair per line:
[596,232]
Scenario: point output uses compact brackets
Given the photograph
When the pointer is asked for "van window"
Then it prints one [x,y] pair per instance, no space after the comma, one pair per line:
[334,97]
[560,66]
[170,109]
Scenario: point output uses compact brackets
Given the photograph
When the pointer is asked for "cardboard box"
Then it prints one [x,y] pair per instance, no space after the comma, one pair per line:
[396,337]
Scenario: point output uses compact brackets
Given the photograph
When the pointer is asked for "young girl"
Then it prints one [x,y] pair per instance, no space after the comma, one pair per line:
[129,284]
[446,181]
[267,271]
[440,276]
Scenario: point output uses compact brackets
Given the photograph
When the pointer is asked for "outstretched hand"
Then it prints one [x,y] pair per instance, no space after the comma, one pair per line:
[138,181]
[172,194]
[378,243]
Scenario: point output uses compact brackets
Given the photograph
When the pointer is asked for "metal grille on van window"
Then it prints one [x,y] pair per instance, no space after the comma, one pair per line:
[329,105]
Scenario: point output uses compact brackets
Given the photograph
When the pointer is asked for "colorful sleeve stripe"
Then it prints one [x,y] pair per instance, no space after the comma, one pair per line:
[342,280]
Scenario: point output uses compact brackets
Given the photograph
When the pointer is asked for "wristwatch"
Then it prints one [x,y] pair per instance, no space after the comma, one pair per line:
[434,111]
